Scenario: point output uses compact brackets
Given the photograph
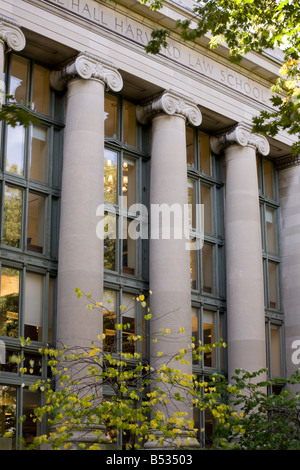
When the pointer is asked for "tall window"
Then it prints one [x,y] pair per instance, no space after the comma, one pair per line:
[125,190]
[207,261]
[126,166]
[269,212]
[29,197]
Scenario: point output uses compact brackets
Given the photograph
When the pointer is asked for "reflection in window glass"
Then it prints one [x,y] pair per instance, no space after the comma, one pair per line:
[110,176]
[129,249]
[8,416]
[190,147]
[128,319]
[207,268]
[273,284]
[206,201]
[129,182]
[204,150]
[275,351]
[110,232]
[30,427]
[19,79]
[15,145]
[270,215]
[38,156]
[109,320]
[12,219]
[129,124]
[41,89]
[33,306]
[111,116]
[9,309]
[36,223]
[209,337]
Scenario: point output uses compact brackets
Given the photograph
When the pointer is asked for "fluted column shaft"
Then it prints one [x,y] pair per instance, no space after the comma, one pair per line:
[80,250]
[244,271]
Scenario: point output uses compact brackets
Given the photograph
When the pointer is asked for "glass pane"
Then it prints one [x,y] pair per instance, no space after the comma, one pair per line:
[209,337]
[195,331]
[111,116]
[110,176]
[268,179]
[273,284]
[9,314]
[110,222]
[129,250]
[31,428]
[275,351]
[33,364]
[129,124]
[192,203]
[33,317]
[193,265]
[207,268]
[109,320]
[15,145]
[12,220]
[210,425]
[271,230]
[19,79]
[41,89]
[190,147]
[36,223]
[38,156]
[204,150]
[8,417]
[128,319]
[129,182]
[206,201]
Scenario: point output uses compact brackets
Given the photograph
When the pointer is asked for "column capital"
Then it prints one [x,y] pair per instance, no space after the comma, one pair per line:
[169,102]
[240,134]
[11,34]
[86,66]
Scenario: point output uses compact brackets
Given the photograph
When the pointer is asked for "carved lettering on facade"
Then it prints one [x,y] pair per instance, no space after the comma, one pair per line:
[141,34]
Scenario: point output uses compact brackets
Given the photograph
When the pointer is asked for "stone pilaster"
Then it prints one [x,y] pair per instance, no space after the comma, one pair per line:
[244,273]
[289,196]
[80,250]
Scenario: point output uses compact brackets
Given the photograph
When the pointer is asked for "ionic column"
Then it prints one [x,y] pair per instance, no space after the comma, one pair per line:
[289,196]
[244,271]
[80,250]
[169,256]
[11,38]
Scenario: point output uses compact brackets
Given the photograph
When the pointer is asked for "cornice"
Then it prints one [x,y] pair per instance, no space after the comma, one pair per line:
[241,134]
[87,66]
[171,103]
[287,162]
[11,34]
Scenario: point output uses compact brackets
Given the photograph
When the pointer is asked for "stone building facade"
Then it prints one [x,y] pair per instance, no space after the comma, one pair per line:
[120,132]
